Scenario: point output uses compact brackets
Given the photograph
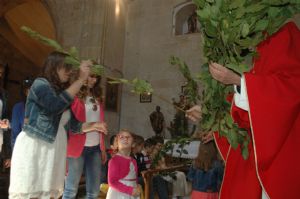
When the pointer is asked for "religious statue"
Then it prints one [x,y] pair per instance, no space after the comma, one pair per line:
[192,23]
[157,121]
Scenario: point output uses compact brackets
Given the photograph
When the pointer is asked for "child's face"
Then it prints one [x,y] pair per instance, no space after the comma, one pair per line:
[124,140]
[159,146]
[92,79]
[63,74]
[148,150]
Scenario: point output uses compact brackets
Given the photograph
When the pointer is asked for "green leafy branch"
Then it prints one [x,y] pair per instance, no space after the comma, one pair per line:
[191,89]
[231,31]
[168,148]
[138,86]
[72,54]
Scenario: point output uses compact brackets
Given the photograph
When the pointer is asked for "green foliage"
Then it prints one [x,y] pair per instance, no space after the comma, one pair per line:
[168,148]
[138,86]
[231,30]
[42,39]
[191,87]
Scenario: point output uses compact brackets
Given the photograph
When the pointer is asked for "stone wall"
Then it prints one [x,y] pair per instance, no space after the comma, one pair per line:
[149,44]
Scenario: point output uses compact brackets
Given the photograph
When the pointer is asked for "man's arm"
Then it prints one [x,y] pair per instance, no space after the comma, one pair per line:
[227,77]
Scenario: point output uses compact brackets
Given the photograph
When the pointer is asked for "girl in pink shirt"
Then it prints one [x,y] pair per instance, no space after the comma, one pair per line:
[122,170]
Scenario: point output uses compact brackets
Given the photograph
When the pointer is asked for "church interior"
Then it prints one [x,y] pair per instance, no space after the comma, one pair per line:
[131,39]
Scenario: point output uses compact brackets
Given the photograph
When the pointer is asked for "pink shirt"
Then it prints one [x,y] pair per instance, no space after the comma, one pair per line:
[76,141]
[118,168]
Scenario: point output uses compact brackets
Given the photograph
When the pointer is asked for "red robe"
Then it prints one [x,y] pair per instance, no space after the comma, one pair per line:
[273,120]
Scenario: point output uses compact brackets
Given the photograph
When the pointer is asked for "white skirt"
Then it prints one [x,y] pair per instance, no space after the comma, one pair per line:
[38,167]
[115,194]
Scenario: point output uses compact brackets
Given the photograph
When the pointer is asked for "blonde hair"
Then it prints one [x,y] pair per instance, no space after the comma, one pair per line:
[115,145]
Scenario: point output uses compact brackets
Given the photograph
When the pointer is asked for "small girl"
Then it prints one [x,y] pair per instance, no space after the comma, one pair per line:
[206,173]
[122,170]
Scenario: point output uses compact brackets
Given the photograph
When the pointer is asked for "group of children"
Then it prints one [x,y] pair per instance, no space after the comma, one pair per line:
[134,155]
[64,117]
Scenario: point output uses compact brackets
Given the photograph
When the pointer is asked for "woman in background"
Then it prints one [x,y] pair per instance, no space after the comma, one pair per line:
[86,150]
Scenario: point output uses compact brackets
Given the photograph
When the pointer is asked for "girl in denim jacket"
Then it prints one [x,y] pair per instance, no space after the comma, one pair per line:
[206,173]
[39,156]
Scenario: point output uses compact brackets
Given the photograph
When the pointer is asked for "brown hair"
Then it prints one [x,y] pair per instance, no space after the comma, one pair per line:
[207,155]
[138,140]
[54,62]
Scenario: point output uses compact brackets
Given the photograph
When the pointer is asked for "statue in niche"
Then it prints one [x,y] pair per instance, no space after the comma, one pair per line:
[157,121]
[192,23]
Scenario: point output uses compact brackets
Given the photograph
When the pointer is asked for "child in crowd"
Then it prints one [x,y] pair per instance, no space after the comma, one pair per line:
[86,150]
[206,173]
[109,153]
[122,170]
[113,148]
[18,111]
[39,156]
[179,184]
[148,147]
[138,145]
[159,186]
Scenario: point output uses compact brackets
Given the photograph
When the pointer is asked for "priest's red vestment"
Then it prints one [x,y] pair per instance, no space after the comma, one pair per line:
[273,121]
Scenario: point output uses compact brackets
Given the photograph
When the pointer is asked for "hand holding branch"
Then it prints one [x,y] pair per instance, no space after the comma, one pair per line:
[223,74]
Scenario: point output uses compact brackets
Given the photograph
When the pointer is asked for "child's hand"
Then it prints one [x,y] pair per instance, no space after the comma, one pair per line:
[101,127]
[207,137]
[136,192]
[84,70]
[194,113]
[4,124]
[7,163]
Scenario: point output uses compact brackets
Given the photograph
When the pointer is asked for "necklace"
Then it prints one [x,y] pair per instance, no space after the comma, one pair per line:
[95,105]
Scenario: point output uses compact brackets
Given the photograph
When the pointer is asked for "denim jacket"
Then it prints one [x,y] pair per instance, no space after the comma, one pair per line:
[206,181]
[44,108]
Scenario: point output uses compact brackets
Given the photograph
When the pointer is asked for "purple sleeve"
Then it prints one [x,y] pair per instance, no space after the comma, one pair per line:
[116,172]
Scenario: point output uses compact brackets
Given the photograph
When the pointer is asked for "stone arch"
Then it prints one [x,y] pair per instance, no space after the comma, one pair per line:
[35,15]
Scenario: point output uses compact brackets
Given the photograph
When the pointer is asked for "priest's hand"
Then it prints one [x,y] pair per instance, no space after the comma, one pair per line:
[224,75]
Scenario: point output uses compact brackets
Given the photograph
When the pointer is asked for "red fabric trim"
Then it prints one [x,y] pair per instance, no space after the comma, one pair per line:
[76,141]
